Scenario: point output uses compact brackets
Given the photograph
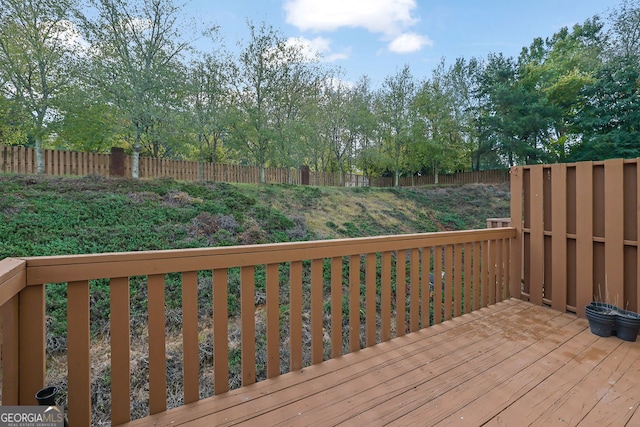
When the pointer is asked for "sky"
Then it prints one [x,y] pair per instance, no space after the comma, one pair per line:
[379,37]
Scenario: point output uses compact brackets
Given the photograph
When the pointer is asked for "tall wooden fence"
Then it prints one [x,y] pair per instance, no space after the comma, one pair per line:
[578,233]
[58,162]
[485,177]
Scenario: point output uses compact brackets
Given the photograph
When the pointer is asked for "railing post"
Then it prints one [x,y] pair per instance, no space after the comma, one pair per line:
[13,279]
[31,339]
[516,243]
[10,353]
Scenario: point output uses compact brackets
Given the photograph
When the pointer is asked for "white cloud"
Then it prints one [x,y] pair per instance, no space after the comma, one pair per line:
[409,42]
[389,18]
[317,47]
[377,16]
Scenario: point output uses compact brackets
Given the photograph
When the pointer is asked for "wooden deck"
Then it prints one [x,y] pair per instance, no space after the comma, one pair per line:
[513,363]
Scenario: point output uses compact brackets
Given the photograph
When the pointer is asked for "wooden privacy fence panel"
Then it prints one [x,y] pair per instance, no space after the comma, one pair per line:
[58,162]
[578,234]
[326,298]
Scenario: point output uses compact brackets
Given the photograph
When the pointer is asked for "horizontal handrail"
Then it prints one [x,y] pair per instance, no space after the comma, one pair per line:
[55,269]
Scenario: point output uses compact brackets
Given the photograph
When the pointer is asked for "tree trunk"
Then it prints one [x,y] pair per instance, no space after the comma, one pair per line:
[397,178]
[263,179]
[135,162]
[201,164]
[39,156]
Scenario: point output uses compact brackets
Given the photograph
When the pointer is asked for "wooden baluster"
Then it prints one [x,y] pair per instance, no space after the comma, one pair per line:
[468,275]
[437,285]
[370,299]
[157,349]
[354,303]
[448,281]
[316,311]
[457,290]
[414,269]
[273,321]
[220,331]
[78,356]
[248,324]
[385,298]
[401,292]
[336,306]
[477,280]
[295,316]
[493,249]
[425,288]
[120,350]
[191,360]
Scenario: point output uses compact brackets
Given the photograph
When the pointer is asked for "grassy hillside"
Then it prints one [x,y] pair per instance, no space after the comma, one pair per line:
[54,216]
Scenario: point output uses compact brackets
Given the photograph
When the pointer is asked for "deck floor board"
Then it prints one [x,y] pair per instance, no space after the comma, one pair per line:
[513,363]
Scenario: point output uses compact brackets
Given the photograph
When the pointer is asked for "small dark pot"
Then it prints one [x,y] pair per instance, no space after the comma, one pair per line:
[601,321]
[627,325]
[47,396]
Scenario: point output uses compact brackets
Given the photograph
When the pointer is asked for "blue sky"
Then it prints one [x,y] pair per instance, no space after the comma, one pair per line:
[378,37]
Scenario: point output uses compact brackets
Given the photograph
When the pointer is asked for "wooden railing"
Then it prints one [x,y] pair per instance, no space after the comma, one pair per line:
[382,282]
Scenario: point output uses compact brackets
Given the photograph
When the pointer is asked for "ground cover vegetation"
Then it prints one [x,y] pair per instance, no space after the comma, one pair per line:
[90,75]
[59,215]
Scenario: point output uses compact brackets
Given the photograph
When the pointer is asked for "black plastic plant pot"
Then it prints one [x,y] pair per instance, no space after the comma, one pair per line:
[47,396]
[627,325]
[601,321]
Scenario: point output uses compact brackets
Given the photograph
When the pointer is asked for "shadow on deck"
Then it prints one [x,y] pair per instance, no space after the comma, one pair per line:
[512,363]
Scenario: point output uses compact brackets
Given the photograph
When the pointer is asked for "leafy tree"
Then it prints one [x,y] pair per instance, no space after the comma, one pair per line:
[37,44]
[298,82]
[257,79]
[609,119]
[396,117]
[438,132]
[314,148]
[209,99]
[559,69]
[86,123]
[334,113]
[365,127]
[463,87]
[516,116]
[136,48]
[625,29]
[11,132]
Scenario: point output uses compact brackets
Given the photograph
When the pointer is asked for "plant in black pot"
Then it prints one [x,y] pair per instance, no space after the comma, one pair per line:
[602,318]
[627,325]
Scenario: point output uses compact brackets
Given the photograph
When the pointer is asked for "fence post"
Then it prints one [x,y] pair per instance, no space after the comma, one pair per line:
[116,162]
[304,171]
